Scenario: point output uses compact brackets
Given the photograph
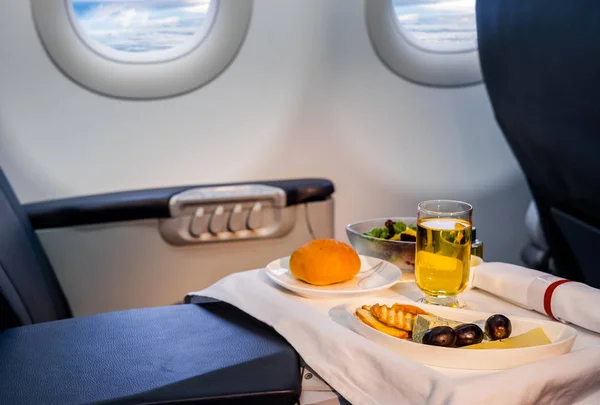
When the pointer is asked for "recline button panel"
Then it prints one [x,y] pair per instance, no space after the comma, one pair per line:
[189,200]
[225,213]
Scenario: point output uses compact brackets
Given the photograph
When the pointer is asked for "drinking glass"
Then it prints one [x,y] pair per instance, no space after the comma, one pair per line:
[443,256]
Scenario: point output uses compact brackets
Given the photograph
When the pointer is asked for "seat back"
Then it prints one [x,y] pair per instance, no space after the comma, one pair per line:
[540,61]
[29,290]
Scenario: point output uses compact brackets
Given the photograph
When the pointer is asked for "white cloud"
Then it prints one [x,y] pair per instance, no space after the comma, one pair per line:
[126,17]
[164,22]
[199,8]
[457,5]
[143,25]
[405,18]
[439,21]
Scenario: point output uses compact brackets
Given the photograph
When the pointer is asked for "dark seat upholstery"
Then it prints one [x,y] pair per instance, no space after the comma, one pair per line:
[208,354]
[29,291]
[540,61]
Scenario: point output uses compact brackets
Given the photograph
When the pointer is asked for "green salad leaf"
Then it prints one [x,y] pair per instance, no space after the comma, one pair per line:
[399,227]
[384,233]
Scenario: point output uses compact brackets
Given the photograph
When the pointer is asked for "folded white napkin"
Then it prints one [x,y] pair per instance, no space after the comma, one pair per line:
[571,302]
[365,373]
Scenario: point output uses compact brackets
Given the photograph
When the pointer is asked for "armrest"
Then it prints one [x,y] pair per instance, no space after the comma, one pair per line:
[152,203]
[206,354]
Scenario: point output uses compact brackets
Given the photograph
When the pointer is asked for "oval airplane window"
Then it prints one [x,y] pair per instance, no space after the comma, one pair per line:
[142,30]
[429,42]
[142,49]
[439,26]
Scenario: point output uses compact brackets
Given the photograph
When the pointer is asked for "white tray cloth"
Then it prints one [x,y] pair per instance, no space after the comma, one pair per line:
[365,373]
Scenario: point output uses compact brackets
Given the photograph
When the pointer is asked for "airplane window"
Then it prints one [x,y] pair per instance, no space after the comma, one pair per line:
[141,30]
[142,49]
[428,42]
[438,25]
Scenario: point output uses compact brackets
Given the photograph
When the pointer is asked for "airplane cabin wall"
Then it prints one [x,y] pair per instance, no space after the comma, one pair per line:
[305,96]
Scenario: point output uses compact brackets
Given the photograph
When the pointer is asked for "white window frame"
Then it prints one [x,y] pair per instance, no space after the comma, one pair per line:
[106,73]
[404,57]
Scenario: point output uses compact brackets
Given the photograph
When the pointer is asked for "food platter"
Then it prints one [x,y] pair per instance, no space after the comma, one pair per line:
[561,339]
[367,281]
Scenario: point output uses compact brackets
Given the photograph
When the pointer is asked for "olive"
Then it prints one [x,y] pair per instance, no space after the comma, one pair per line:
[468,334]
[440,336]
[389,224]
[404,237]
[498,327]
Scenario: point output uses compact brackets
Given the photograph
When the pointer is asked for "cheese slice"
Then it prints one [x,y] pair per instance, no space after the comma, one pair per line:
[535,337]
[411,232]
[426,322]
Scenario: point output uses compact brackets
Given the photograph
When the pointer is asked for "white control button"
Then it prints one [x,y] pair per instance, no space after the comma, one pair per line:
[198,223]
[255,218]
[217,221]
[237,218]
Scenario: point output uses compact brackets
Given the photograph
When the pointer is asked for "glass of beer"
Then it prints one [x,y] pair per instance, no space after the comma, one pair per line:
[443,256]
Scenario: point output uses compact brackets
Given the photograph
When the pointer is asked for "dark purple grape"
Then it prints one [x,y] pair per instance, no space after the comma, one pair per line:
[389,224]
[440,336]
[405,237]
[498,327]
[468,334]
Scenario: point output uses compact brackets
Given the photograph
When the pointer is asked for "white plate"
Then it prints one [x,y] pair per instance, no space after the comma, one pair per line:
[387,276]
[561,336]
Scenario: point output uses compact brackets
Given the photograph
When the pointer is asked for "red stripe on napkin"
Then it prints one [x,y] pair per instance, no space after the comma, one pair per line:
[548,296]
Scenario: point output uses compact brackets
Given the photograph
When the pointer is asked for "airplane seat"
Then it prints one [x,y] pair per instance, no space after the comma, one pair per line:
[535,254]
[211,354]
[208,352]
[29,290]
[540,63]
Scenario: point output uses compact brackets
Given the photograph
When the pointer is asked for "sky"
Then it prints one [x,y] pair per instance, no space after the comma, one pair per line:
[140,25]
[449,22]
[152,25]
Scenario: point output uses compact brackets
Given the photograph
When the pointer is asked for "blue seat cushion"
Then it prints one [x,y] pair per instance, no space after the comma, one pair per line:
[209,354]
